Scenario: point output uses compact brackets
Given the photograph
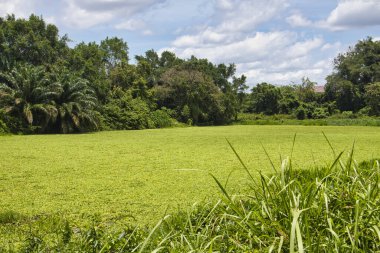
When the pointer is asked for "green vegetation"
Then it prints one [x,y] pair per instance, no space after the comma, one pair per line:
[132,174]
[106,191]
[344,119]
[333,207]
[48,87]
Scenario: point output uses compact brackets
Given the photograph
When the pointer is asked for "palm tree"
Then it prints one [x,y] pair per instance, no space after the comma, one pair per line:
[24,92]
[74,102]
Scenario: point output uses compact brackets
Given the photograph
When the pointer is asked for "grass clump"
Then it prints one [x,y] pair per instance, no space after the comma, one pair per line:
[334,208]
[10,217]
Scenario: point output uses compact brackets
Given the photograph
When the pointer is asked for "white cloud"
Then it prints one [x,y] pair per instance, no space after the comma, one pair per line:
[78,17]
[353,14]
[244,15]
[134,25]
[88,13]
[329,46]
[348,14]
[131,25]
[231,37]
[276,57]
[50,20]
[18,7]
[259,45]
[202,39]
[245,32]
[303,48]
[297,20]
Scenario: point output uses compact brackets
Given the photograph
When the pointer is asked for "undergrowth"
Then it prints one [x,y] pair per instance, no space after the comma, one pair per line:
[280,119]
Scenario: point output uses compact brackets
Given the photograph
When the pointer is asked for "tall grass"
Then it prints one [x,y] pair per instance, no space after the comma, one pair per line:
[328,209]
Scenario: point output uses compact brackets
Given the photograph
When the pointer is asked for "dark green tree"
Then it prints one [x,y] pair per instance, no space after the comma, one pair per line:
[346,95]
[24,93]
[30,41]
[264,99]
[88,60]
[289,100]
[74,103]
[148,67]
[353,72]
[372,98]
[306,91]
[191,92]
[115,52]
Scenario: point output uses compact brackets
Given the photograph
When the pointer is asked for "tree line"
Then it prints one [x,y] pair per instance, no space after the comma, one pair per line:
[48,87]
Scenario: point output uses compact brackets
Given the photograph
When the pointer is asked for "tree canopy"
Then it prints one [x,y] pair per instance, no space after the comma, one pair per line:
[48,87]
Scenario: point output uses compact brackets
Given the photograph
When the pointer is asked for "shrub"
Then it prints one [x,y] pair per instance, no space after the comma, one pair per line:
[126,113]
[162,118]
[300,113]
[9,217]
[3,128]
[348,115]
[320,113]
[372,98]
[365,111]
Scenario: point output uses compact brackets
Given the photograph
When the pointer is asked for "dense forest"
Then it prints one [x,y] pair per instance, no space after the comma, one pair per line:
[48,87]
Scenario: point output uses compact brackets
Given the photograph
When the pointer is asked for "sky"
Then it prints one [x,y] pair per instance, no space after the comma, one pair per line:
[275,41]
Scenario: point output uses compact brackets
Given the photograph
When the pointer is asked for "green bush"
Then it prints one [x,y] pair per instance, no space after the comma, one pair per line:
[10,217]
[3,128]
[320,113]
[126,113]
[162,118]
[365,111]
[301,113]
[348,115]
[14,124]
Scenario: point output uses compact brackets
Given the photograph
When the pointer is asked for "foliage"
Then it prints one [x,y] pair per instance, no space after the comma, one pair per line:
[89,61]
[342,119]
[289,101]
[372,97]
[30,41]
[320,113]
[265,98]
[3,128]
[127,113]
[305,91]
[162,118]
[72,105]
[35,61]
[345,94]
[300,113]
[115,52]
[192,94]
[354,71]
[24,93]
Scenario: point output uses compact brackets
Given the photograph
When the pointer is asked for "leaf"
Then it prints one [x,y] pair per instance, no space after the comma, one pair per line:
[28,114]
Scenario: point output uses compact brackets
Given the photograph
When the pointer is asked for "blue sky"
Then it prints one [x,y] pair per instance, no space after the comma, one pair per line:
[277,41]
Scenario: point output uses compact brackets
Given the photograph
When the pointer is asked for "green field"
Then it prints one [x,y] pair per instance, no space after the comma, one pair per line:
[139,174]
